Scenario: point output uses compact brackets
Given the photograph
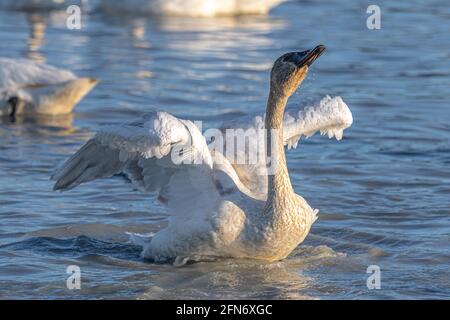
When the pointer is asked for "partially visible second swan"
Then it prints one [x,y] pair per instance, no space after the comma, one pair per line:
[33,89]
[192,8]
[221,207]
[189,8]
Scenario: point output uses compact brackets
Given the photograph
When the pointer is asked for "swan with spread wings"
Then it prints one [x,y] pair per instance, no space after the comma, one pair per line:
[220,207]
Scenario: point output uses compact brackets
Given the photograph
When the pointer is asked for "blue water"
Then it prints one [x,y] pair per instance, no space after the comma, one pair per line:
[383,191]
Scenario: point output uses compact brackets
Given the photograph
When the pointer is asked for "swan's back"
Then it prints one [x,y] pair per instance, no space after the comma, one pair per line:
[21,72]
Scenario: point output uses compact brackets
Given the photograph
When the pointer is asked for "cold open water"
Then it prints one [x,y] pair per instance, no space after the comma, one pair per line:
[383,191]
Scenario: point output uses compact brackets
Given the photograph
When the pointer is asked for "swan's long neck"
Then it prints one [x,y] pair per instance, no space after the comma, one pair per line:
[279,185]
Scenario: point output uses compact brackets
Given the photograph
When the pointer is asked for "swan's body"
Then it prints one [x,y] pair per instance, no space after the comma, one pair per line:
[221,208]
[185,8]
[192,8]
[30,88]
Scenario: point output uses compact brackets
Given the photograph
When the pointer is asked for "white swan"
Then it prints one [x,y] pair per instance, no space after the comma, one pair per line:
[189,8]
[30,88]
[221,207]
[192,8]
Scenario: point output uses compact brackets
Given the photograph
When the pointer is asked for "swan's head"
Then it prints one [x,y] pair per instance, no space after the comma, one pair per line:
[52,99]
[290,69]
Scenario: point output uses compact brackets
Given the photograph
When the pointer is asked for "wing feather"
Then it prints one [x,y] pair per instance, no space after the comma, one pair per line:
[142,150]
[330,116]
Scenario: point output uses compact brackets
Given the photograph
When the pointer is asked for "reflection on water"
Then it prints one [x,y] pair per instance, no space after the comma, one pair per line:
[36,37]
[37,22]
[55,125]
[382,192]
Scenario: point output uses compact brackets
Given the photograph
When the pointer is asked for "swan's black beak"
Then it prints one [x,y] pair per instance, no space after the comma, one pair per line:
[13,102]
[309,56]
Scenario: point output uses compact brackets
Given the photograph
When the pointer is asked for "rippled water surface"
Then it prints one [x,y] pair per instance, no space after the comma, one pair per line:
[383,191]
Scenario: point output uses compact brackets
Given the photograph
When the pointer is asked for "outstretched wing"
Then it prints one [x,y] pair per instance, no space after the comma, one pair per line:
[330,116]
[161,153]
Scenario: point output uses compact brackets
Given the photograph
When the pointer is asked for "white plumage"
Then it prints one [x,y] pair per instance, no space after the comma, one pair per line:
[224,201]
[192,8]
[209,202]
[330,116]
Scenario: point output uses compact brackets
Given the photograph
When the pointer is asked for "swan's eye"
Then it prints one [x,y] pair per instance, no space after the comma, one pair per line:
[295,57]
